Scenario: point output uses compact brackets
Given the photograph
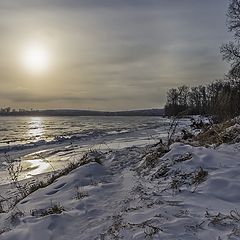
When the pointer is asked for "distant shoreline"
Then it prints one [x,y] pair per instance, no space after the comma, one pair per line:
[68,112]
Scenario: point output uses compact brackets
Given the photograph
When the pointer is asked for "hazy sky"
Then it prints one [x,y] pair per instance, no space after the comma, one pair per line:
[109,54]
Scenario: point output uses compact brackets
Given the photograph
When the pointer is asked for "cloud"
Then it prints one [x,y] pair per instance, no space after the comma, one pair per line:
[109,53]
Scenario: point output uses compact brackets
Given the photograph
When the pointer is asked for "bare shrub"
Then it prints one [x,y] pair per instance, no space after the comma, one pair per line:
[14,169]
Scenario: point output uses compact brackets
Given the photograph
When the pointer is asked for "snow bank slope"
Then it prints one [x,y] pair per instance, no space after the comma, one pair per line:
[189,193]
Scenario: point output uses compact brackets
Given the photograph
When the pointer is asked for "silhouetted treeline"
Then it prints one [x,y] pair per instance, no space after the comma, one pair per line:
[220,98]
[71,112]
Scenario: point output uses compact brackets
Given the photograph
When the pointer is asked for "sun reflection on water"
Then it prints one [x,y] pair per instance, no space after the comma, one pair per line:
[35,128]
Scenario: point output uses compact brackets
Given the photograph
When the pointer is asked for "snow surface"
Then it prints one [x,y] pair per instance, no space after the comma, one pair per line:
[136,193]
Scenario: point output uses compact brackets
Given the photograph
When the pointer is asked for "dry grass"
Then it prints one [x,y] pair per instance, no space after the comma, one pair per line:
[199,176]
[80,193]
[221,219]
[215,134]
[54,209]
[151,158]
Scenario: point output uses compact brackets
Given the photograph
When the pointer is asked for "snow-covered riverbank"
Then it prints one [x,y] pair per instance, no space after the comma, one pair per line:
[136,193]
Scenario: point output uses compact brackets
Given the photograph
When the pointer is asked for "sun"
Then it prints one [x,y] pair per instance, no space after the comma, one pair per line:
[35,58]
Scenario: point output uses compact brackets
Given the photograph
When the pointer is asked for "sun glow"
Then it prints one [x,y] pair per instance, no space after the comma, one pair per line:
[35,58]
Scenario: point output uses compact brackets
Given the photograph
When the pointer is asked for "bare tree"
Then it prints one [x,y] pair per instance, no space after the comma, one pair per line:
[231,50]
